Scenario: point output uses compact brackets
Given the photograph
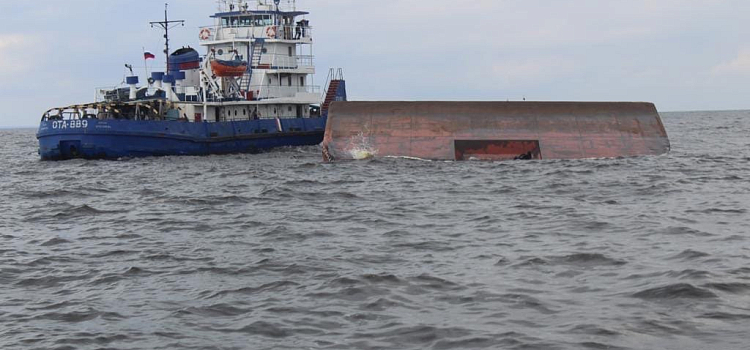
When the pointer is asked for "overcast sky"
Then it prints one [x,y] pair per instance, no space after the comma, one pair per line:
[680,54]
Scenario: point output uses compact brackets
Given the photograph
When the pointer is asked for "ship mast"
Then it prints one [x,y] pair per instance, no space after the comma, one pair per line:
[166,25]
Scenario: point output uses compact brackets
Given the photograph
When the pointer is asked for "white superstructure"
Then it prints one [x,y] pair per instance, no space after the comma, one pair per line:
[276,42]
[266,44]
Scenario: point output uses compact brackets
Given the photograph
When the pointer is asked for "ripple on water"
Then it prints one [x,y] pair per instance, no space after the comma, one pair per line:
[675,291]
[281,251]
[587,259]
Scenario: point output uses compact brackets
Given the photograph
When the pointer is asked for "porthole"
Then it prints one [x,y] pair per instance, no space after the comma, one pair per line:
[220,52]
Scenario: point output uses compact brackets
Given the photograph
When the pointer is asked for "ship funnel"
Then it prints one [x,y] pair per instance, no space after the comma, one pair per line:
[183,59]
[168,81]
[158,77]
[132,81]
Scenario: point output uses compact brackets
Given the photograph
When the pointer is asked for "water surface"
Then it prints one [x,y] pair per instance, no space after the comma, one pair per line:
[281,251]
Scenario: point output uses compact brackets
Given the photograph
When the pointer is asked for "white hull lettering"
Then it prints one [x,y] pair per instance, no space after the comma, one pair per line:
[70,124]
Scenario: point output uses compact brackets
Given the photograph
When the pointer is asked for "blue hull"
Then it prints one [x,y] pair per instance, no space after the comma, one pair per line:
[112,139]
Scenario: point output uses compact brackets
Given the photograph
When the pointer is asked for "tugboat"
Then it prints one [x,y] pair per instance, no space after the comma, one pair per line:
[251,91]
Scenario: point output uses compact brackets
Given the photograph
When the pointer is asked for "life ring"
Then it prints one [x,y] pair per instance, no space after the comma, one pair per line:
[271,32]
[205,34]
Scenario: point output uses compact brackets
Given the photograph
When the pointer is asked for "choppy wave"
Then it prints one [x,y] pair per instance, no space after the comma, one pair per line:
[281,251]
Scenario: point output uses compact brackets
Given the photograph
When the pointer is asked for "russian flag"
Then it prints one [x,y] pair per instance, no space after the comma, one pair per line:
[148,55]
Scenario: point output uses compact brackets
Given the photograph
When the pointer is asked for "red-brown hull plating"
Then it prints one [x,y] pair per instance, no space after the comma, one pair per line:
[494,130]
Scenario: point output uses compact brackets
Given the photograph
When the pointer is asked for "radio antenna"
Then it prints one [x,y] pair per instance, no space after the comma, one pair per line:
[166,25]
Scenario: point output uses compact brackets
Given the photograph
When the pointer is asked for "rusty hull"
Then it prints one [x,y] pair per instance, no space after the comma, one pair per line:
[493,130]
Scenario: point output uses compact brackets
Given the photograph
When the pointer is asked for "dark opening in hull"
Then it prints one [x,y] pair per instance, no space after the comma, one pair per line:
[497,150]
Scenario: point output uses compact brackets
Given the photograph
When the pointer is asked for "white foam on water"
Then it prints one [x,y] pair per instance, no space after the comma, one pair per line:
[361,148]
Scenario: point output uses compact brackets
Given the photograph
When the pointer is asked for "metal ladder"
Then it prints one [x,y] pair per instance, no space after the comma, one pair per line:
[254,60]
[334,79]
[257,52]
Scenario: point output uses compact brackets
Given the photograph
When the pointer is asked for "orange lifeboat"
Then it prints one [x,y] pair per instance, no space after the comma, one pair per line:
[233,68]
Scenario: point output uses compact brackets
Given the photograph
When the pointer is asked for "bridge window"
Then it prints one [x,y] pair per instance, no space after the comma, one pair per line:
[261,20]
[247,21]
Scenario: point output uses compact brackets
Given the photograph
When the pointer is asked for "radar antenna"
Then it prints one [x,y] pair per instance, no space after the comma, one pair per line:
[166,25]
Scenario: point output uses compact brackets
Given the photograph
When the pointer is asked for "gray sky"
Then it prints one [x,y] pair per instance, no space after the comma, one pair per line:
[680,54]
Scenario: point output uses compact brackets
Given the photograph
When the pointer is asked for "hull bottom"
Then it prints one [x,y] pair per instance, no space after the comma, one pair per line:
[494,130]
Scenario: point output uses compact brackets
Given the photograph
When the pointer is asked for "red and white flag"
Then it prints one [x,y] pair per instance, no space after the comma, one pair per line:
[148,55]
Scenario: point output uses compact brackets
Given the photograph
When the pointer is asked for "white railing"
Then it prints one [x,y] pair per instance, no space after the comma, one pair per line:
[305,60]
[266,6]
[279,61]
[212,33]
[264,92]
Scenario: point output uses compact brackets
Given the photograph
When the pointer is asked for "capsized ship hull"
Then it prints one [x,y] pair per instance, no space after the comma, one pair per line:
[493,130]
[113,139]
